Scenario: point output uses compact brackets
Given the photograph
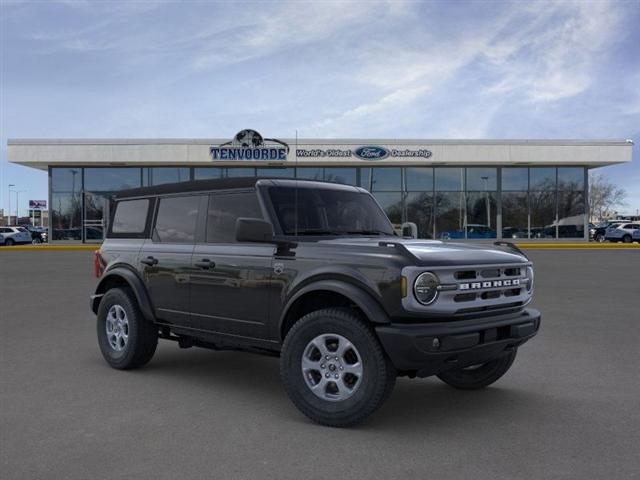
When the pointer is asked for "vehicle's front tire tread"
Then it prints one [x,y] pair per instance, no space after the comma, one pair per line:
[333,320]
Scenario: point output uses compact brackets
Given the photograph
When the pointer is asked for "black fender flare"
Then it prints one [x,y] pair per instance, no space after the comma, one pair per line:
[365,302]
[133,281]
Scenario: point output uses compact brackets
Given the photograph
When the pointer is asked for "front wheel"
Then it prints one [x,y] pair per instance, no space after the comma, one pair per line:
[478,376]
[36,241]
[599,238]
[9,242]
[127,340]
[334,369]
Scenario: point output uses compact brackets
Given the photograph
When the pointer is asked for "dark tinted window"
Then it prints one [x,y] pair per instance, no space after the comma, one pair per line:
[130,216]
[311,211]
[176,220]
[224,210]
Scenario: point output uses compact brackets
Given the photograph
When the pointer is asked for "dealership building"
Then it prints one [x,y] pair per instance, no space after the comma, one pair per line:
[450,189]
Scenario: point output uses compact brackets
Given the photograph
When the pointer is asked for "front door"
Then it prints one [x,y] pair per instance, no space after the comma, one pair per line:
[230,286]
[165,259]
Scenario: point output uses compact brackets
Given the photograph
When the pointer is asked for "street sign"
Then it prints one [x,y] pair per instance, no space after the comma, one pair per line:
[38,204]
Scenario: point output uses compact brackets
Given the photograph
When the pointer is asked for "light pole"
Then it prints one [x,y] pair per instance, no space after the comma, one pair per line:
[18,192]
[9,214]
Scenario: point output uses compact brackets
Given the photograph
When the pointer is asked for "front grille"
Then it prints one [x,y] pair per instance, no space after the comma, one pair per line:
[471,289]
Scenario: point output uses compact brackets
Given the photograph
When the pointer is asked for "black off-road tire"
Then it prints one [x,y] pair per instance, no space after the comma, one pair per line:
[378,377]
[142,334]
[474,378]
[599,238]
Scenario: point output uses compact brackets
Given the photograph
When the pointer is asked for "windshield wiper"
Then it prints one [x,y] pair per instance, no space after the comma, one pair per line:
[318,232]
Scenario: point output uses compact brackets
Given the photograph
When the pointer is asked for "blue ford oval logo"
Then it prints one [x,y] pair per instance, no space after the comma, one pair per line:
[371,153]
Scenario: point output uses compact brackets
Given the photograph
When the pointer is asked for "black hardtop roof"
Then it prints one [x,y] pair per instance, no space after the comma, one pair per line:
[223,184]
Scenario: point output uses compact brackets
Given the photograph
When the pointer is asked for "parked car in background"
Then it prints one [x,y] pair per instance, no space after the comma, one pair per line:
[622,232]
[38,234]
[600,230]
[1,239]
[635,236]
[15,235]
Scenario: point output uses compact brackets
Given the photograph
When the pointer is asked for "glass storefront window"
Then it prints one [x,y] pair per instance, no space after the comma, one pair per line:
[391,203]
[111,179]
[239,172]
[276,172]
[66,179]
[571,211]
[481,215]
[161,175]
[207,173]
[515,179]
[449,179]
[542,178]
[418,179]
[310,173]
[419,207]
[543,214]
[450,220]
[571,178]
[482,179]
[66,216]
[386,179]
[515,215]
[340,175]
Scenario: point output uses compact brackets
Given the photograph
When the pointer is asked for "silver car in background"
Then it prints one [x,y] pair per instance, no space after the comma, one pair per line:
[15,235]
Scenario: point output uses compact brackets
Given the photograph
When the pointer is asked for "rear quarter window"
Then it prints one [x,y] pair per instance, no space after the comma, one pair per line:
[130,216]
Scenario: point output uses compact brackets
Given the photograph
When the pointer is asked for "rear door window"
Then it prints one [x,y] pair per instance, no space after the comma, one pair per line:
[224,209]
[176,219]
[130,216]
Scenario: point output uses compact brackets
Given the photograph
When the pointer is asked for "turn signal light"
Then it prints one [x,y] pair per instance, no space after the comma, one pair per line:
[403,286]
[97,264]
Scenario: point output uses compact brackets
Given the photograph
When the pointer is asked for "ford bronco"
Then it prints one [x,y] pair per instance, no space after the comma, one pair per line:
[311,272]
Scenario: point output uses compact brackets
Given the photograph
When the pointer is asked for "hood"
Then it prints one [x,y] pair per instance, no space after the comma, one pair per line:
[436,253]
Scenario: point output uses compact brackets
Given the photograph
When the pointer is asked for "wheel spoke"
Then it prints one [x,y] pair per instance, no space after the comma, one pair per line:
[355,369]
[308,364]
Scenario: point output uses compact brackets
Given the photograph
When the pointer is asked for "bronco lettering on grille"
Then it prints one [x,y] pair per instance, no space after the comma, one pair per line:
[491,284]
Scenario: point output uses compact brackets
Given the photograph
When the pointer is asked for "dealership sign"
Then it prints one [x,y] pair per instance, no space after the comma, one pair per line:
[38,204]
[365,152]
[250,145]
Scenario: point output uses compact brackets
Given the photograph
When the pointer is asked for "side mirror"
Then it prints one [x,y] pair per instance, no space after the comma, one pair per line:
[253,230]
[409,229]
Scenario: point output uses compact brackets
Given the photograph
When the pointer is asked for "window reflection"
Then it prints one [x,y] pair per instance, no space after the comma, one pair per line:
[66,216]
[239,172]
[276,172]
[66,179]
[482,179]
[515,214]
[340,175]
[162,175]
[570,178]
[310,173]
[571,211]
[420,211]
[542,178]
[543,214]
[207,173]
[111,179]
[515,179]
[418,179]
[449,179]
[391,203]
[481,215]
[385,179]
[449,208]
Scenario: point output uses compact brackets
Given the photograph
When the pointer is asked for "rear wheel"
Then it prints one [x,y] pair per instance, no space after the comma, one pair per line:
[9,242]
[478,376]
[334,369]
[626,238]
[127,340]
[36,241]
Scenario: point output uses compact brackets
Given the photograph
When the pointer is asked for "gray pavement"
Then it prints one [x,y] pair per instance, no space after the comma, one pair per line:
[569,407]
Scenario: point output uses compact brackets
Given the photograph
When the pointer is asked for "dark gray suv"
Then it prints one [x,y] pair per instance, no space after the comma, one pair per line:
[312,272]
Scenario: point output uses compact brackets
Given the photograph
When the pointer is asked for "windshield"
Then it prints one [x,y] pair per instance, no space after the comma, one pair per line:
[328,212]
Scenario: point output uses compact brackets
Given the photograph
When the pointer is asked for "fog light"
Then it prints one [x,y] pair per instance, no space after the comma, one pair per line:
[435,343]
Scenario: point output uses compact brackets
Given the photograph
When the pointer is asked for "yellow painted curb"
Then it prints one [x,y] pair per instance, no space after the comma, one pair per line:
[48,248]
[585,246]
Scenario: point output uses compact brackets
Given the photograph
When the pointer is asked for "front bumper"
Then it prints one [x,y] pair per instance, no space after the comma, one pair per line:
[430,348]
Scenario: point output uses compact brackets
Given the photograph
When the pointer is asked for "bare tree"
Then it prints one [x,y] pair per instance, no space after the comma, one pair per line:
[604,196]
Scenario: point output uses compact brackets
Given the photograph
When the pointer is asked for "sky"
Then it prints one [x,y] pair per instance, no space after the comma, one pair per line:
[374,69]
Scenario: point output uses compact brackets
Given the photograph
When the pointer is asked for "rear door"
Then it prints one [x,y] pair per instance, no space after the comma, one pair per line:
[165,259]
[231,281]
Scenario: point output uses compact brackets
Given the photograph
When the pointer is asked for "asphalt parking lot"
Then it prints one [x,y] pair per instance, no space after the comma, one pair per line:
[569,407]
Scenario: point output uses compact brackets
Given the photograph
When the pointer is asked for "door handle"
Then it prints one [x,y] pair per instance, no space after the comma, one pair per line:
[205,264]
[151,261]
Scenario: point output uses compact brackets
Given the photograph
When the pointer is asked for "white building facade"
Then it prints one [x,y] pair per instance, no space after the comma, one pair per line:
[536,190]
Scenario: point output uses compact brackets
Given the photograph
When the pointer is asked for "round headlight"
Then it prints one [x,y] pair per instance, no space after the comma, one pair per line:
[529,279]
[425,288]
